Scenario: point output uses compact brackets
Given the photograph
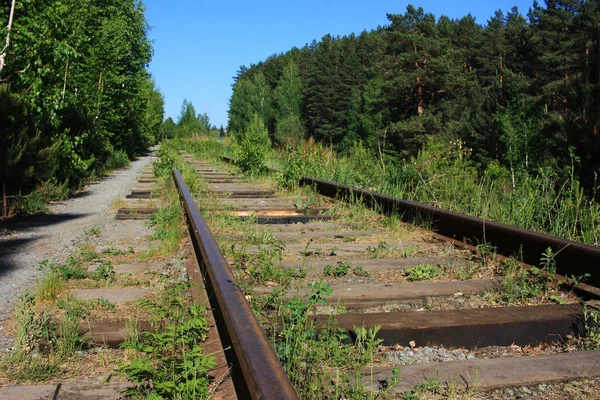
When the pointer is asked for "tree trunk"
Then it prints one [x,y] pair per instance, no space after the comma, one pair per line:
[7,41]
[4,201]
[501,68]
[419,86]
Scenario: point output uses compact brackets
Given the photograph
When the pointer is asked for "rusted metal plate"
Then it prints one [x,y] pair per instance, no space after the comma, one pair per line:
[479,327]
[256,370]
[572,258]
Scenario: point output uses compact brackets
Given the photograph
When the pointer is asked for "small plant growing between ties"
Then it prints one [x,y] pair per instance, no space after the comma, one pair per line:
[421,272]
[340,269]
[343,269]
[170,362]
[105,271]
[591,320]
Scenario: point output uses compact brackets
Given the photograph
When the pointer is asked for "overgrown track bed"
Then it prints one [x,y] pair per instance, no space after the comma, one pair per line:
[349,298]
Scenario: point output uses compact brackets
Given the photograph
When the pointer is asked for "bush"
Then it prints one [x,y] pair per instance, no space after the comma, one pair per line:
[165,162]
[254,147]
[116,160]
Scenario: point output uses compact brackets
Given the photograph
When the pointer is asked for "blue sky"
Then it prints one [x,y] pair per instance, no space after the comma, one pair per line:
[199,45]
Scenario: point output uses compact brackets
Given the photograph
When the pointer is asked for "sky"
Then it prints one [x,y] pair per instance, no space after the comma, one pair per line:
[200,44]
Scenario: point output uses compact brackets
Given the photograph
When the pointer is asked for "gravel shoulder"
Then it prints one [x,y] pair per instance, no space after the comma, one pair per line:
[25,244]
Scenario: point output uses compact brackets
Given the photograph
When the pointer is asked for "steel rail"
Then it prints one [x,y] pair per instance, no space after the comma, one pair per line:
[572,258]
[256,371]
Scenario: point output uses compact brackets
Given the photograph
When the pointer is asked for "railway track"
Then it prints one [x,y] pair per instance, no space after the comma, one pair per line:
[449,313]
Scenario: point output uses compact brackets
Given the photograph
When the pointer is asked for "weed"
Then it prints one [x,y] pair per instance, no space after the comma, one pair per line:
[69,270]
[32,327]
[313,355]
[429,385]
[521,284]
[165,161]
[360,271]
[116,160]
[69,338]
[104,272]
[88,255]
[167,226]
[113,251]
[421,272]
[591,319]
[94,231]
[170,361]
[20,366]
[340,269]
[50,285]
[376,252]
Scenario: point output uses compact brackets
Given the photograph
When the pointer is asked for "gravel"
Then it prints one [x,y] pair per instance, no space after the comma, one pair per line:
[407,355]
[53,236]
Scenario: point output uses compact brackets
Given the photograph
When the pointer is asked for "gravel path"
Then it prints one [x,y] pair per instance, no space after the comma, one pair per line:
[53,236]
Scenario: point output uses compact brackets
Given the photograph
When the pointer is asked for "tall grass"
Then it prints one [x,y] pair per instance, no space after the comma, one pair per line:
[443,175]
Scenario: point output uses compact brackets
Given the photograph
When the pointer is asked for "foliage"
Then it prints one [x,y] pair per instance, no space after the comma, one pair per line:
[591,319]
[76,99]
[313,357]
[104,272]
[116,160]
[340,269]
[69,270]
[169,361]
[421,272]
[522,284]
[254,145]
[496,120]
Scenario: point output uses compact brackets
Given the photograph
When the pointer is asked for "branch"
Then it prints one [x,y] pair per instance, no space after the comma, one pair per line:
[15,72]
[7,42]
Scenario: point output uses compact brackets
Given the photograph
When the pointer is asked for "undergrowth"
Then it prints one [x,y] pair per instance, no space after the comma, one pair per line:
[169,362]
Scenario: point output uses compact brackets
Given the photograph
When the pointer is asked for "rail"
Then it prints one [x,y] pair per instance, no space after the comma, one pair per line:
[571,257]
[256,370]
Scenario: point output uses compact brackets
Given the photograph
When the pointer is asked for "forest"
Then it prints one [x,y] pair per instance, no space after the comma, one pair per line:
[76,97]
[498,120]
[519,92]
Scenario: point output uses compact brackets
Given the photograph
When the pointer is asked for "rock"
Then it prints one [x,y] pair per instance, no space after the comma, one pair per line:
[412,344]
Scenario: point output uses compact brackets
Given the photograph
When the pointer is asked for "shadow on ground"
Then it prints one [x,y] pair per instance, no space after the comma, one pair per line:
[36,221]
[8,248]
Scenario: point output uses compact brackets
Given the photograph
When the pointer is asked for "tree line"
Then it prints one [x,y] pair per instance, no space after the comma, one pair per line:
[520,93]
[76,97]
[189,124]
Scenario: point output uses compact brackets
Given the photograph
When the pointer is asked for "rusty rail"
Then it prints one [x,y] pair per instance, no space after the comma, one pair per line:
[256,371]
[572,258]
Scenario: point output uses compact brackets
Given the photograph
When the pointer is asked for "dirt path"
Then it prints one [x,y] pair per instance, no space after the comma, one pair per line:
[25,244]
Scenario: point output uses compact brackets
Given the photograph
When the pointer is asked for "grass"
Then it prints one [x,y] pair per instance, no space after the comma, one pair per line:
[169,361]
[94,231]
[43,344]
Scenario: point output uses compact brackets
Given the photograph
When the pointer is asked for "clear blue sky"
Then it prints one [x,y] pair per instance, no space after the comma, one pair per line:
[200,44]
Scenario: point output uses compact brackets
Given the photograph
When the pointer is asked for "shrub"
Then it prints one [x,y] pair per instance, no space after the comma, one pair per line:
[116,160]
[254,147]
